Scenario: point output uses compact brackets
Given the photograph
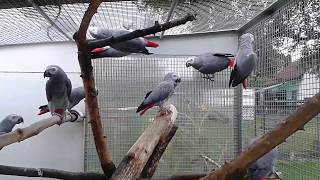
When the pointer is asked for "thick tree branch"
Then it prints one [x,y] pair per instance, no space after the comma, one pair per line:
[266,143]
[84,58]
[92,44]
[32,130]
[153,162]
[49,173]
[133,163]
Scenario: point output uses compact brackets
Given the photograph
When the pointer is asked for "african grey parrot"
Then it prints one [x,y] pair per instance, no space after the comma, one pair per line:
[160,94]
[58,90]
[76,95]
[136,45]
[246,61]
[264,166]
[8,123]
[107,52]
[210,63]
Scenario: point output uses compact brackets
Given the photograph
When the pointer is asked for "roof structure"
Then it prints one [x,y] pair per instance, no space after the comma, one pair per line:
[36,21]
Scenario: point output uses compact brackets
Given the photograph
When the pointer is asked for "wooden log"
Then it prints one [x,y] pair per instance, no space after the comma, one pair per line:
[32,130]
[133,163]
[49,173]
[296,121]
[153,162]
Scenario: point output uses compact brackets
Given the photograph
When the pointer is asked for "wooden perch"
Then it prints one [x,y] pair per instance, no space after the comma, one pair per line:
[154,160]
[32,130]
[266,143]
[49,173]
[92,44]
[133,163]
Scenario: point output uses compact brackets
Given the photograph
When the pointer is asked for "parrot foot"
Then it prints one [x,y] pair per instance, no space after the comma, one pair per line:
[164,111]
[60,116]
[211,78]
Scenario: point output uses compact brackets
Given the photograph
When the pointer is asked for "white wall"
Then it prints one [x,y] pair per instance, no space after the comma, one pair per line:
[193,44]
[22,93]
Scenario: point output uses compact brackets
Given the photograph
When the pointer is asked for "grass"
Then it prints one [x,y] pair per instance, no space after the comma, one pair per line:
[299,170]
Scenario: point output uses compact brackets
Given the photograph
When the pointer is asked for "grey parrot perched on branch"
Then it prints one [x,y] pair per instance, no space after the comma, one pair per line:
[58,90]
[136,45]
[76,95]
[246,61]
[264,166]
[160,94]
[107,52]
[8,123]
[210,63]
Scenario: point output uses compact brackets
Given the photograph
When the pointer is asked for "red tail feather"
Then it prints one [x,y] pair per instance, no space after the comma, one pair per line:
[245,83]
[151,44]
[146,108]
[262,178]
[97,50]
[59,111]
[232,62]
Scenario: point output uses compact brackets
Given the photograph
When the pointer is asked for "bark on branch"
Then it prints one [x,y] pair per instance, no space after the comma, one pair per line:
[32,130]
[84,58]
[154,160]
[49,173]
[266,143]
[139,33]
[133,163]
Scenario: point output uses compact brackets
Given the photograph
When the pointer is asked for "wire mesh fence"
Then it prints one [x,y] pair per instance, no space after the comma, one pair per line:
[205,119]
[287,44]
[34,21]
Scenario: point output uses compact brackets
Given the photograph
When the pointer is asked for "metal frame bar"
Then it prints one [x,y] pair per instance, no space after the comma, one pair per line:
[173,5]
[47,18]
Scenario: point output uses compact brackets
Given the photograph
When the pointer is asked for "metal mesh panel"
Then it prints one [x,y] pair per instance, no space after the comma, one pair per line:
[34,21]
[287,45]
[205,118]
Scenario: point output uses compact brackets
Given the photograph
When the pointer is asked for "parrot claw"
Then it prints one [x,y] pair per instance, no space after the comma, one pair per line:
[211,78]
[60,116]
[164,111]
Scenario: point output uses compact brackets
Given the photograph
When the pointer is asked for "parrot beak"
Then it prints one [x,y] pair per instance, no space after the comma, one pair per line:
[20,120]
[178,80]
[188,63]
[46,74]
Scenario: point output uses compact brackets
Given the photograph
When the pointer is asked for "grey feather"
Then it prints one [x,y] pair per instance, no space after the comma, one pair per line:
[265,165]
[162,92]
[8,123]
[136,45]
[58,89]
[246,60]
[209,63]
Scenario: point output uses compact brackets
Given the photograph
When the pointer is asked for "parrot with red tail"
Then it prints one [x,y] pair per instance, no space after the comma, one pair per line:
[160,94]
[136,45]
[246,60]
[58,90]
[210,63]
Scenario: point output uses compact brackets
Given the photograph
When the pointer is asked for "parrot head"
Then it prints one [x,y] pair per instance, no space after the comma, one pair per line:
[93,30]
[16,119]
[52,71]
[194,62]
[172,76]
[246,39]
